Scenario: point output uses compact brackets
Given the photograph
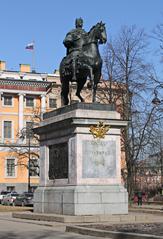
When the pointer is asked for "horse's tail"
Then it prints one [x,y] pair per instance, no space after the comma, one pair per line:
[62,68]
[65,68]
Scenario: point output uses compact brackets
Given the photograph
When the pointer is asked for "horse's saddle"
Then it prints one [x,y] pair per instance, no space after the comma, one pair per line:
[80,61]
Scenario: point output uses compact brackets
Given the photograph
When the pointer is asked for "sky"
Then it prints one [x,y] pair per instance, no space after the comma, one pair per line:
[47,22]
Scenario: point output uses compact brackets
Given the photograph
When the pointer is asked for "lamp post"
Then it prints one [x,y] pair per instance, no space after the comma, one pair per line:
[27,133]
[29,136]
[161,171]
[29,164]
[156,101]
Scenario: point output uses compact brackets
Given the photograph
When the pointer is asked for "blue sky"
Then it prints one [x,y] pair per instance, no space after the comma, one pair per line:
[47,22]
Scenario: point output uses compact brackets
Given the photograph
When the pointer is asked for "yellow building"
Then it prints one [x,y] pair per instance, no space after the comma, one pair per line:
[24,96]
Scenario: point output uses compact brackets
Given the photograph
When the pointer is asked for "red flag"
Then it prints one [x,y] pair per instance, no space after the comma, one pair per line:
[30,46]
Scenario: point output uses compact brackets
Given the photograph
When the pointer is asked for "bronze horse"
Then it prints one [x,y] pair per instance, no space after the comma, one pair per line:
[89,64]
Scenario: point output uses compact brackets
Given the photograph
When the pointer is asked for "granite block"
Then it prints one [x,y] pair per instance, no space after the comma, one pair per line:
[88,197]
[116,197]
[51,196]
[69,197]
[88,181]
[89,209]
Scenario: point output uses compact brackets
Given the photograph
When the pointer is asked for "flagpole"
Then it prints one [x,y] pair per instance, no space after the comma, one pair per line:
[31,47]
[33,57]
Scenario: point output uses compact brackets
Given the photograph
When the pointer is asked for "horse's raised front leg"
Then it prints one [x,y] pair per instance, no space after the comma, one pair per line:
[64,92]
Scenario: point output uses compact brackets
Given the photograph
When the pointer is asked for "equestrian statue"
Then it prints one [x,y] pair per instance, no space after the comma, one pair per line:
[83,60]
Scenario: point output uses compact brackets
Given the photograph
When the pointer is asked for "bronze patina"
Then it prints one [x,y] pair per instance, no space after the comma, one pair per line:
[83,60]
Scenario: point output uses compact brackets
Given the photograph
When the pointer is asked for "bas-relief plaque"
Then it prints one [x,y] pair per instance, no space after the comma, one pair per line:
[58,161]
[99,159]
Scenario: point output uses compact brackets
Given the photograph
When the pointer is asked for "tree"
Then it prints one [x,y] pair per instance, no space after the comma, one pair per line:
[129,75]
[158,35]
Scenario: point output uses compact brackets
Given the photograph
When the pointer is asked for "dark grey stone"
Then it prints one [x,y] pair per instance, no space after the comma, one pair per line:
[83,59]
[58,161]
[79,105]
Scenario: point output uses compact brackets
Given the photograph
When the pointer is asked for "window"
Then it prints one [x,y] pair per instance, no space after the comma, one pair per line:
[34,167]
[8,129]
[10,188]
[7,100]
[10,167]
[33,188]
[29,101]
[52,103]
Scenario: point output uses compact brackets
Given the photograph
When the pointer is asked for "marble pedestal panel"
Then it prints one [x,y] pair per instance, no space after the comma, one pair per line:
[80,174]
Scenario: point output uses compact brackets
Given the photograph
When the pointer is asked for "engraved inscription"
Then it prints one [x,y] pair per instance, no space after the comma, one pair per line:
[99,159]
[58,161]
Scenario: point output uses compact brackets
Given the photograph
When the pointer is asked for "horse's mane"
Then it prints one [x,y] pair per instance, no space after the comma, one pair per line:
[93,27]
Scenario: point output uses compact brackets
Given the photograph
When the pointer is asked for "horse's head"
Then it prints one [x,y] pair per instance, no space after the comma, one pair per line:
[101,32]
[98,33]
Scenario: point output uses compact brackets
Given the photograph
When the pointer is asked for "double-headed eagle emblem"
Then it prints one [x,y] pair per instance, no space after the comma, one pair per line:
[100,130]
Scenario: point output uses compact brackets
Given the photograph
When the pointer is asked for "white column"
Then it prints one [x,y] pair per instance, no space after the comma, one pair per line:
[21,111]
[1,93]
[43,103]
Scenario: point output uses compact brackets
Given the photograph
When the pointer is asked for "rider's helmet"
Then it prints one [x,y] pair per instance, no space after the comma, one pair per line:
[79,22]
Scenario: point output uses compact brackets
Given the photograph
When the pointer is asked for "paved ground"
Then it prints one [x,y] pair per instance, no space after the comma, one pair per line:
[142,228]
[149,206]
[4,208]
[11,228]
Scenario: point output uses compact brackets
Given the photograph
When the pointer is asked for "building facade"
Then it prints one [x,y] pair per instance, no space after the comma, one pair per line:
[24,97]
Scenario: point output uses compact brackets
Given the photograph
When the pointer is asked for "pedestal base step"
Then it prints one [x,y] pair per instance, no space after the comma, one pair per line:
[81,200]
[82,219]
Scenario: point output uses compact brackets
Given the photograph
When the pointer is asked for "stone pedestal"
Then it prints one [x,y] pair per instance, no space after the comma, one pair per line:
[80,174]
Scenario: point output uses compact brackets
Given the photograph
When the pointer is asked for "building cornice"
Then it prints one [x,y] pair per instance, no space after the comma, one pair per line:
[26,85]
[24,82]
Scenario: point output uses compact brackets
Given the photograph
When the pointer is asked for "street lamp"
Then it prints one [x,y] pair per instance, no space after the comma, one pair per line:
[161,171]
[29,136]
[156,101]
[29,163]
[27,133]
